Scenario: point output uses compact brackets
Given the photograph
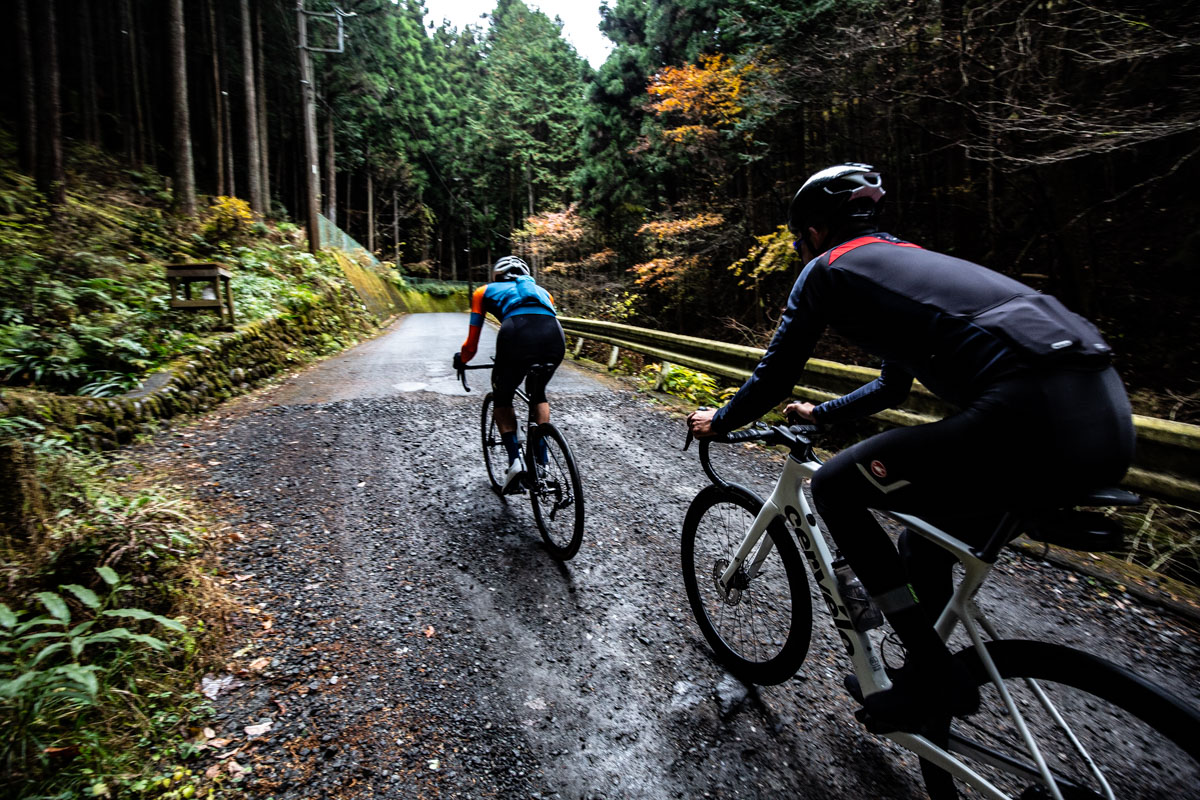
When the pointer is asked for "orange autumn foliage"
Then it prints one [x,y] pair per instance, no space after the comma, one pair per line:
[705,96]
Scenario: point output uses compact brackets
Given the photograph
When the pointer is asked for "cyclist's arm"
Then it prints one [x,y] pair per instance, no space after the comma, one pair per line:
[790,348]
[886,391]
[471,345]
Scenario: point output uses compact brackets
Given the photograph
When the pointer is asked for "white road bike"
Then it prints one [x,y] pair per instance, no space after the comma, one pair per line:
[1054,722]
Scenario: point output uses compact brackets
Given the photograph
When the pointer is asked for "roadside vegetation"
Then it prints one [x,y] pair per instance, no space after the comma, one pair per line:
[83,293]
[109,611]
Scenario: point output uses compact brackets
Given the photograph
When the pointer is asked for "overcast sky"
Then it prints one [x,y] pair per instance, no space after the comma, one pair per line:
[580,20]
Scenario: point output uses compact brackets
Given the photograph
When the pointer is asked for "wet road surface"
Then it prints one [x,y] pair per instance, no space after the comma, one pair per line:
[405,635]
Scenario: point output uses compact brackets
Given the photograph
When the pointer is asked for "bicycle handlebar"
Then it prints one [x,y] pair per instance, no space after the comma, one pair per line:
[797,438]
[462,372]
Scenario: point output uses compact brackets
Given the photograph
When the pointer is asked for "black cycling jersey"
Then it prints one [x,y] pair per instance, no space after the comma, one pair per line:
[954,325]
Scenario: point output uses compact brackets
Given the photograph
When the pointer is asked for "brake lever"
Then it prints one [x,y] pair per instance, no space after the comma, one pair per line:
[462,376]
[688,441]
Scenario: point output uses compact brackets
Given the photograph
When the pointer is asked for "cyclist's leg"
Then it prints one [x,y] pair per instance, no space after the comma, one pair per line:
[973,463]
[904,470]
[929,568]
[545,350]
[506,377]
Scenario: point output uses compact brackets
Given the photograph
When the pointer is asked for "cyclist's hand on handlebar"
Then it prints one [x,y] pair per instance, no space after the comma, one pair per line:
[458,362]
[798,413]
[700,423]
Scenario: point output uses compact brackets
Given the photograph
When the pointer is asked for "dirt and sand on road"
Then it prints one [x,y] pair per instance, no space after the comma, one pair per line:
[403,634]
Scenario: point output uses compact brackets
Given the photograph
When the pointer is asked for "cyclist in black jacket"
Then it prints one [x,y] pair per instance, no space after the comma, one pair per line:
[1042,416]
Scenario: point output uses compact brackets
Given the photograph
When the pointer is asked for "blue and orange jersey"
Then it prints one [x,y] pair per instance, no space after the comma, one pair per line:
[502,300]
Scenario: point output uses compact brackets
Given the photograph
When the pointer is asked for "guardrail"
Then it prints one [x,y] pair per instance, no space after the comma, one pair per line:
[1166,463]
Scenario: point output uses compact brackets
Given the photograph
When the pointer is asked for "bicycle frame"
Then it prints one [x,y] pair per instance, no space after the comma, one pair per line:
[787,500]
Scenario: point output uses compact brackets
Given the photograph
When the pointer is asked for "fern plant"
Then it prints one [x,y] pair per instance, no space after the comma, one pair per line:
[55,666]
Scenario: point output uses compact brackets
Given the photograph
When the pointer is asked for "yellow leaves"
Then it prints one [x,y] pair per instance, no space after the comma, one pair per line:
[553,236]
[228,219]
[671,228]
[772,253]
[707,95]
[662,272]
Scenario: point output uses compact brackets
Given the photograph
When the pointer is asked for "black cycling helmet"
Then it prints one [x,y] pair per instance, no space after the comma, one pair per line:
[835,196]
[508,268]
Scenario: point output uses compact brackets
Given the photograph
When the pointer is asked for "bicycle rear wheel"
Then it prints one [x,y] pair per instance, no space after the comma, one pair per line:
[760,628]
[556,491]
[495,456]
[1142,740]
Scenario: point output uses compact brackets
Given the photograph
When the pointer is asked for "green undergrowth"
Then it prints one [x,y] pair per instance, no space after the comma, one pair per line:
[83,295]
[105,592]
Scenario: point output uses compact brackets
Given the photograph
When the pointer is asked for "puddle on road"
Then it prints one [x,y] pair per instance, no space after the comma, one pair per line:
[448,386]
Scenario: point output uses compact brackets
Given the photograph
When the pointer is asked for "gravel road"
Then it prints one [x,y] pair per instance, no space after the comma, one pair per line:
[405,635]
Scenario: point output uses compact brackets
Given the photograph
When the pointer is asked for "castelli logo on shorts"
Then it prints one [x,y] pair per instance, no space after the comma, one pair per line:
[878,469]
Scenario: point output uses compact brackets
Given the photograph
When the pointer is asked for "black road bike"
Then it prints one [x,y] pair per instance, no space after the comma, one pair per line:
[551,475]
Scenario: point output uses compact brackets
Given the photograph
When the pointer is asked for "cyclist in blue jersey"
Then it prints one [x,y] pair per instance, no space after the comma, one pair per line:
[529,335]
[1041,413]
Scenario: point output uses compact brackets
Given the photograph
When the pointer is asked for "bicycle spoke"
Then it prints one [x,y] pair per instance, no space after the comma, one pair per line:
[1091,738]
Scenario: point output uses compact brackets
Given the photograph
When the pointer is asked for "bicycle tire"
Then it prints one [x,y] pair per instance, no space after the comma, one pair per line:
[495,456]
[554,488]
[753,652]
[1143,738]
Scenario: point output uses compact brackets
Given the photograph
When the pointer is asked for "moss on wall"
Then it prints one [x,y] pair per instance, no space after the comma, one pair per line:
[232,363]
[216,370]
[387,295]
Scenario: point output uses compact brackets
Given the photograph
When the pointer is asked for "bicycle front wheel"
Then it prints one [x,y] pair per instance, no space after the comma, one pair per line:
[556,491]
[1103,731]
[759,628]
[495,457]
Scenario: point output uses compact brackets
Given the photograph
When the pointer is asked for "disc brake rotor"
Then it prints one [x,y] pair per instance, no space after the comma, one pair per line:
[733,595]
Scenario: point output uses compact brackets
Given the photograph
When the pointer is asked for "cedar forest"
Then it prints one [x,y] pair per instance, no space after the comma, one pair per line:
[1054,141]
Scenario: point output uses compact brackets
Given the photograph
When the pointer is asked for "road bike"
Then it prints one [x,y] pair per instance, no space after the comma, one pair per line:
[1054,722]
[551,475]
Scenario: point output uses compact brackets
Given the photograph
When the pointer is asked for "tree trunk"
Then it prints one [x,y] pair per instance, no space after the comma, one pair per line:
[529,185]
[330,171]
[150,150]
[185,176]
[370,206]
[253,160]
[87,57]
[395,226]
[227,118]
[264,130]
[28,89]
[51,179]
[133,126]
[450,245]
[218,118]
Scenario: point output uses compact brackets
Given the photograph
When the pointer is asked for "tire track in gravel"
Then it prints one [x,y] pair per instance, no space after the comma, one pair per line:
[422,644]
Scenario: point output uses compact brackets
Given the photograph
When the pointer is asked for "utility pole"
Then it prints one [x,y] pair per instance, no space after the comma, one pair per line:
[310,110]
[310,130]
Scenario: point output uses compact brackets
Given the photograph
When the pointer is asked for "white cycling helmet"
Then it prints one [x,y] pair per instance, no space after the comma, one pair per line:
[508,268]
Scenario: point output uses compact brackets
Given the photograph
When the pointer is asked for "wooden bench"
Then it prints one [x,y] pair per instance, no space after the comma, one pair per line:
[214,276]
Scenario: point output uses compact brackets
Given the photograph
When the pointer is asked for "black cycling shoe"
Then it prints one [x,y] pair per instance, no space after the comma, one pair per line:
[920,695]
